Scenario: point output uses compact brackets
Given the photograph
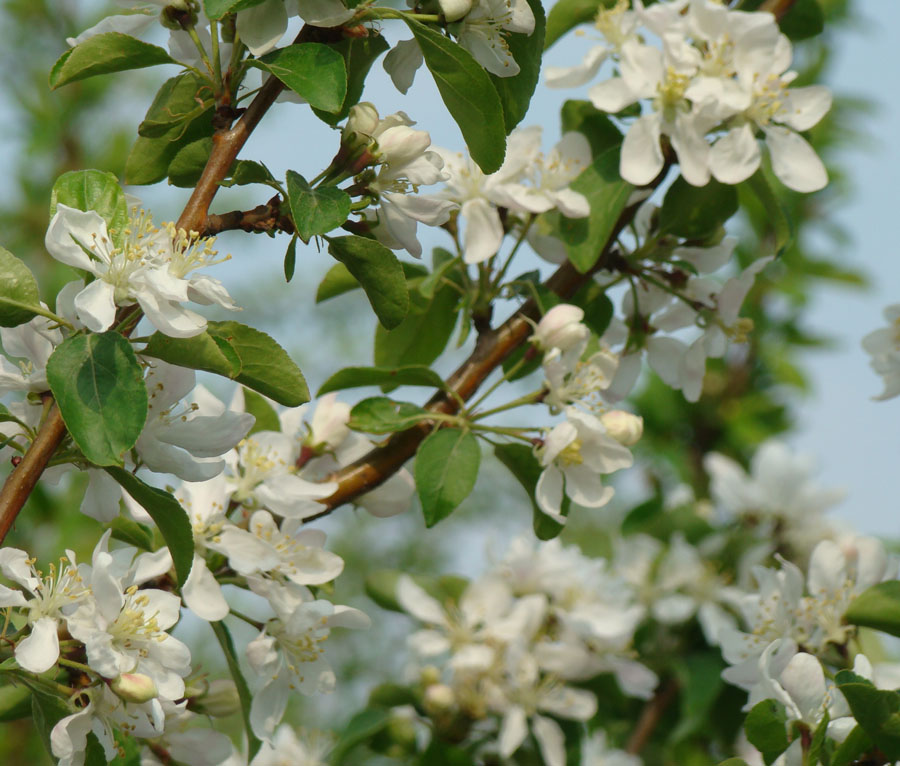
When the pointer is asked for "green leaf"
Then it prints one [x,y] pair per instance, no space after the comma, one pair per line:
[803,20]
[567,14]
[103,54]
[200,352]
[696,212]
[381,587]
[336,282]
[363,726]
[849,751]
[700,676]
[18,291]
[877,607]
[168,515]
[175,104]
[259,407]
[359,54]
[245,172]
[877,711]
[421,337]
[526,469]
[445,754]
[380,415]
[223,636]
[15,703]
[216,9]
[596,127]
[265,366]
[290,259]
[312,70]
[99,387]
[94,190]
[607,193]
[446,469]
[818,739]
[444,262]
[379,272]
[766,729]
[129,531]
[188,164]
[598,308]
[315,211]
[46,710]
[515,92]
[734,762]
[354,377]
[760,184]
[468,94]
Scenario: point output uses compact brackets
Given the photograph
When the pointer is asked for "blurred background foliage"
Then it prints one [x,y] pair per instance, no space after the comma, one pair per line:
[748,397]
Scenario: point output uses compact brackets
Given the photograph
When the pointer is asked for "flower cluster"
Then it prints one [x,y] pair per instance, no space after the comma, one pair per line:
[718,78]
[590,441]
[883,345]
[544,616]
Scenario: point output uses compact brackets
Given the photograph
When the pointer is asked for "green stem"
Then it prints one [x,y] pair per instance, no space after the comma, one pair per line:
[77,665]
[507,374]
[192,33]
[224,639]
[216,62]
[532,398]
[249,620]
[519,240]
[51,316]
[515,433]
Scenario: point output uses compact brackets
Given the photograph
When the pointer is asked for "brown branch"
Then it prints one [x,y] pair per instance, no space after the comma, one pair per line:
[651,715]
[262,219]
[778,8]
[491,348]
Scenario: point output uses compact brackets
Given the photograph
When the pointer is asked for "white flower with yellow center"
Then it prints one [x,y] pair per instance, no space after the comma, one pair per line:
[142,265]
[53,597]
[289,653]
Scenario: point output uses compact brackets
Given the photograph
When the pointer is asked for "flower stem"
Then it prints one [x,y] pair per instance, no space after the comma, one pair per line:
[532,398]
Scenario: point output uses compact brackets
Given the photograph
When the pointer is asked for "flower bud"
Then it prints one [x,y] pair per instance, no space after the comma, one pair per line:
[438,699]
[430,675]
[363,118]
[134,687]
[561,328]
[220,701]
[624,427]
[454,10]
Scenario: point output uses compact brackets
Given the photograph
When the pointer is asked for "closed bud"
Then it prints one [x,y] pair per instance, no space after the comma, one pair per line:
[624,427]
[454,10]
[439,699]
[430,675]
[362,119]
[134,687]
[220,701]
[561,328]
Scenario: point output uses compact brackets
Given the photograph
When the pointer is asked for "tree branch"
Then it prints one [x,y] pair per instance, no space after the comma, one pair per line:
[651,715]
[263,218]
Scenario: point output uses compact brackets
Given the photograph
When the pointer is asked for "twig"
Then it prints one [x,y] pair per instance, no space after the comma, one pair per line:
[650,716]
[263,218]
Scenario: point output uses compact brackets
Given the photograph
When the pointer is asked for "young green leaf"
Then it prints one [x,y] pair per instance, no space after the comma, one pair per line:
[103,54]
[290,259]
[766,729]
[607,194]
[18,291]
[760,185]
[359,54]
[446,469]
[315,211]
[877,607]
[567,14]
[129,531]
[265,366]
[187,165]
[379,272]
[696,212]
[312,70]
[259,407]
[200,352]
[99,387]
[594,125]
[216,9]
[337,281]
[167,514]
[245,172]
[354,377]
[468,94]
[515,92]
[365,725]
[380,415]
[95,190]
[526,469]
[877,711]
[223,636]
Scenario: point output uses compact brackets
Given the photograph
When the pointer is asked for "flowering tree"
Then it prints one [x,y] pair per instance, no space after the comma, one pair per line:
[720,618]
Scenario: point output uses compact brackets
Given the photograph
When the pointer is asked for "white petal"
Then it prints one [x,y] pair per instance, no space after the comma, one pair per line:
[804,107]
[572,77]
[102,496]
[642,158]
[132,24]
[202,594]
[69,225]
[95,305]
[735,156]
[324,13]
[612,95]
[402,62]
[262,26]
[549,493]
[484,232]
[40,650]
[513,730]
[551,740]
[418,603]
[794,161]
